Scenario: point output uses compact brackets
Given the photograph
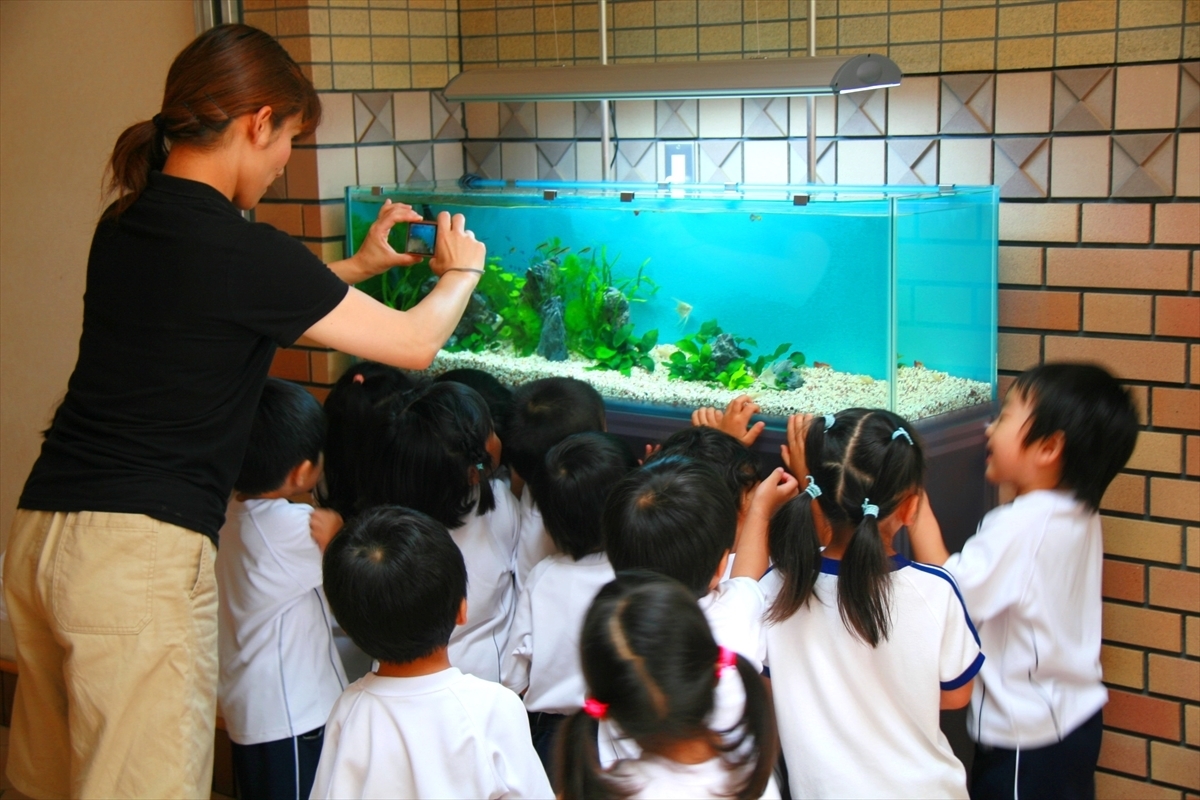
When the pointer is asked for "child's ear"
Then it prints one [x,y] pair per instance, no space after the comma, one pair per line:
[906,512]
[1048,450]
[461,619]
[304,476]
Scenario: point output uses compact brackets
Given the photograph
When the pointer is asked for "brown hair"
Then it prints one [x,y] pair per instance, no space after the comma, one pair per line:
[227,71]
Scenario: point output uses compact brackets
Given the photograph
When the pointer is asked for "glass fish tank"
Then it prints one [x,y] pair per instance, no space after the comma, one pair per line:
[666,297]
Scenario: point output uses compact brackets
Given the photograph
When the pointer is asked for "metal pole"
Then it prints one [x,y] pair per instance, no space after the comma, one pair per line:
[810,100]
[605,146]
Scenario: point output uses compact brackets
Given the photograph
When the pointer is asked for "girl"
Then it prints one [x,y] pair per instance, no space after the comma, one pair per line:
[436,453]
[871,645]
[651,666]
[185,305]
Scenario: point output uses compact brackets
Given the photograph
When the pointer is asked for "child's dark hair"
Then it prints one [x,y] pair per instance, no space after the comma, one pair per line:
[1096,416]
[395,581]
[354,423]
[432,455]
[863,457]
[288,429]
[674,517]
[544,413]
[498,396]
[648,655]
[738,465]
[580,472]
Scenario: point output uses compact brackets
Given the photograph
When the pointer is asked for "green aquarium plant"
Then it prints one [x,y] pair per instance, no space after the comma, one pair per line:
[712,355]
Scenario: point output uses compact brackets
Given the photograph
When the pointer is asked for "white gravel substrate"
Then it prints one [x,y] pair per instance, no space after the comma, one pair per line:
[922,392]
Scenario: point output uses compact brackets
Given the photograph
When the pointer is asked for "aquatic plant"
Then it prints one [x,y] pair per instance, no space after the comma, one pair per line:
[712,355]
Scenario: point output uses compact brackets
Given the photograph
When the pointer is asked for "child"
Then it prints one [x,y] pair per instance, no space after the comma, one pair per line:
[436,454]
[417,727]
[869,644]
[1031,578]
[650,663]
[499,397]
[544,413]
[542,657]
[279,670]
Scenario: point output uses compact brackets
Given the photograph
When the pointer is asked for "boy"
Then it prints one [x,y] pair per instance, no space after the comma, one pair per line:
[417,726]
[544,413]
[542,657]
[280,671]
[1031,581]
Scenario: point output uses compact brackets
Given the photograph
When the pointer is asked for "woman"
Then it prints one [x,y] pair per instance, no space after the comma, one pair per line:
[109,573]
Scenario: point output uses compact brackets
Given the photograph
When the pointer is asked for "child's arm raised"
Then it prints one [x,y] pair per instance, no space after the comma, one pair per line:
[734,420]
[323,525]
[925,534]
[753,555]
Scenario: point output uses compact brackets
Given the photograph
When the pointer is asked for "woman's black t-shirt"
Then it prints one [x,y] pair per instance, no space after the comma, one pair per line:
[185,304]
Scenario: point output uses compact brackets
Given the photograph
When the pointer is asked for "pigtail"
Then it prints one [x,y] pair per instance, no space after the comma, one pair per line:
[796,552]
[578,775]
[758,724]
[864,584]
[139,149]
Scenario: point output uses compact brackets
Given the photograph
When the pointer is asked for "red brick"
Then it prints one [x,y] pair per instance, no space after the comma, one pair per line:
[1124,753]
[1019,351]
[1191,725]
[1020,265]
[1175,499]
[1193,548]
[1124,581]
[1039,222]
[1118,223]
[1117,268]
[1176,677]
[1115,787]
[1126,493]
[1177,223]
[291,365]
[1123,666]
[1176,408]
[1160,630]
[1148,541]
[1177,316]
[1193,455]
[1192,629]
[1036,309]
[1173,588]
[1128,359]
[1157,452]
[1142,714]
[1178,766]
[1117,313]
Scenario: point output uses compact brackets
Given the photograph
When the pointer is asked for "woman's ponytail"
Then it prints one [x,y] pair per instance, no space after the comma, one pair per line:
[796,552]
[864,584]
[578,775]
[758,724]
[139,149]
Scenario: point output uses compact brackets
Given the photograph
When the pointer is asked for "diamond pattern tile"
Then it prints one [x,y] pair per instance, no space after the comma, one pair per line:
[912,161]
[587,119]
[862,113]
[1143,165]
[414,163]
[483,159]
[1189,95]
[826,161]
[447,118]
[556,161]
[1083,99]
[765,116]
[967,103]
[1022,167]
[677,119]
[518,120]
[720,161]
[373,120]
[636,161]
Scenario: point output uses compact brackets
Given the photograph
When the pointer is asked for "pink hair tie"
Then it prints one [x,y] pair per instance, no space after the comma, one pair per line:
[726,659]
[594,708]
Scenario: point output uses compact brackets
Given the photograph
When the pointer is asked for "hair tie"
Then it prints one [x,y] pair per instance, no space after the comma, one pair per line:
[159,123]
[812,490]
[726,659]
[829,420]
[594,708]
[358,378]
[896,434]
[869,510]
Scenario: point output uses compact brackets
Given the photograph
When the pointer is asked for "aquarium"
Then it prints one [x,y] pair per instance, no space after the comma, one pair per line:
[809,298]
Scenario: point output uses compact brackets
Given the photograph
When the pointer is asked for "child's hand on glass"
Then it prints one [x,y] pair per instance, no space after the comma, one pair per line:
[793,451]
[734,420]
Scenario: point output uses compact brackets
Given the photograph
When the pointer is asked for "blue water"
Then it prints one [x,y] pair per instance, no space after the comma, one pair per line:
[820,277]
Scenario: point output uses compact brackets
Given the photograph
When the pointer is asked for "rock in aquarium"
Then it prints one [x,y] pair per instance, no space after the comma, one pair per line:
[553,344]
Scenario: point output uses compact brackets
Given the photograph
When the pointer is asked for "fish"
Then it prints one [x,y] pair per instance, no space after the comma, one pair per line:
[684,310]
[756,217]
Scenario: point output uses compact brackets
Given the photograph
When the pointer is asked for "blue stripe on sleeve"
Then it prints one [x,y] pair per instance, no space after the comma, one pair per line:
[946,576]
[963,679]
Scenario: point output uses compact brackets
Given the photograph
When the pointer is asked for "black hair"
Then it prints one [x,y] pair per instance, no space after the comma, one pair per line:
[544,413]
[861,458]
[738,465]
[288,429]
[432,455]
[674,517]
[647,653]
[580,472]
[498,396]
[395,581]
[354,423]
[1096,416]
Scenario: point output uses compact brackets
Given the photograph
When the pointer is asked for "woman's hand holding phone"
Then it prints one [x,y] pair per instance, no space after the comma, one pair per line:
[457,250]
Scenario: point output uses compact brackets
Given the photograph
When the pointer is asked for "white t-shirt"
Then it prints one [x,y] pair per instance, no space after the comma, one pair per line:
[489,548]
[536,544]
[542,657]
[862,721]
[1031,579]
[280,672]
[655,778]
[445,735]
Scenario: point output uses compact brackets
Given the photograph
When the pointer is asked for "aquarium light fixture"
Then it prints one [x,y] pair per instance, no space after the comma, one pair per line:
[673,80]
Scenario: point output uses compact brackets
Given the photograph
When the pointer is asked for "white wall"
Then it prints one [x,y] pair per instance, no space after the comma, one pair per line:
[73,75]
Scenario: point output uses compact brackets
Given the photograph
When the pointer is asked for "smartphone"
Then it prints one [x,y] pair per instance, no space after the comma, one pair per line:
[422,236]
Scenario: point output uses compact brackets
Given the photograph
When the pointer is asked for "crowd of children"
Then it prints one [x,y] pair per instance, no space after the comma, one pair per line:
[530,611]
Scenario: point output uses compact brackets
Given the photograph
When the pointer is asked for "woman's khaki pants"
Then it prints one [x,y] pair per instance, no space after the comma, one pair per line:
[115,618]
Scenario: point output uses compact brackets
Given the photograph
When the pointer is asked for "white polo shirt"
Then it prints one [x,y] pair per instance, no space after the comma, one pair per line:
[656,778]
[536,544]
[542,657]
[489,547]
[280,672]
[862,721]
[1031,578]
[445,735]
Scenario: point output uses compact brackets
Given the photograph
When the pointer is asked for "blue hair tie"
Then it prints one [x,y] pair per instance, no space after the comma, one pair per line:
[479,466]
[896,434]
[869,510]
[829,420]
[812,490]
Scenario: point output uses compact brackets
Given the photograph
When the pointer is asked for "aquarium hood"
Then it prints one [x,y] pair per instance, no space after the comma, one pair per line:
[766,77]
